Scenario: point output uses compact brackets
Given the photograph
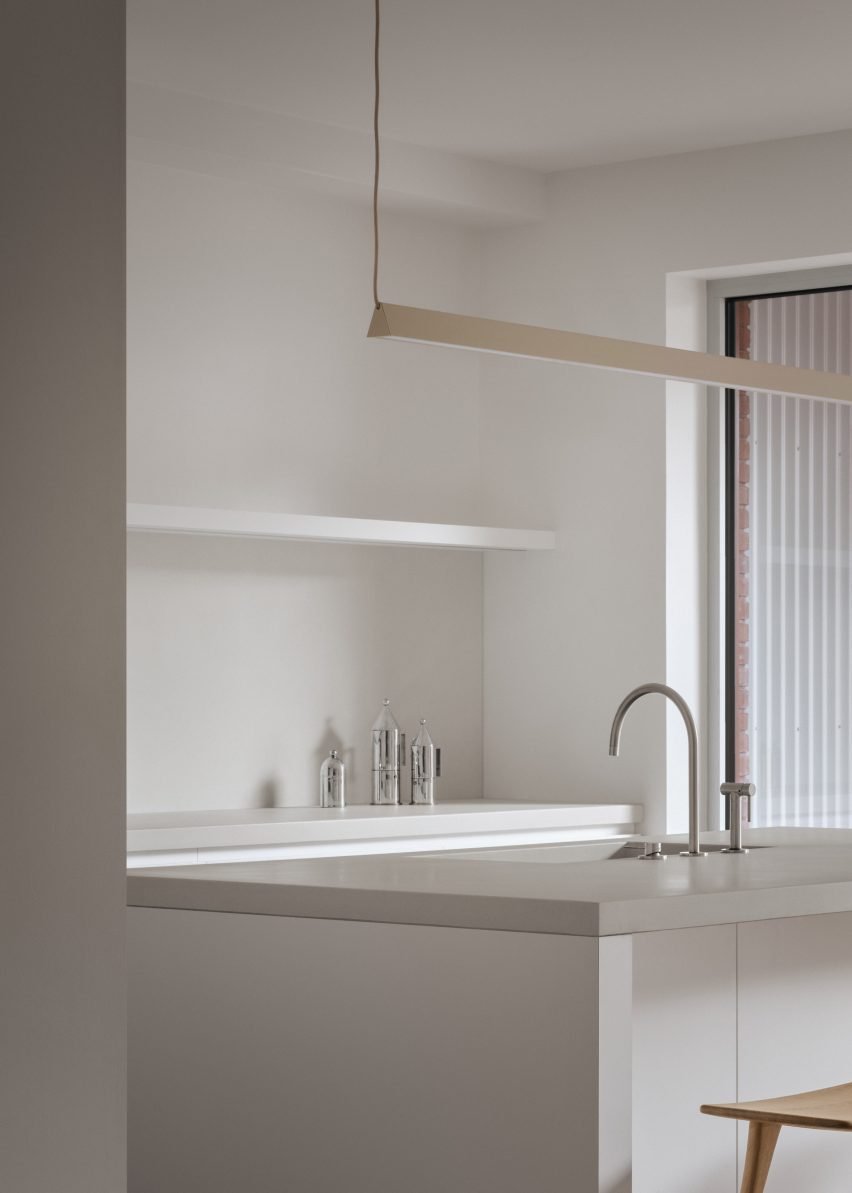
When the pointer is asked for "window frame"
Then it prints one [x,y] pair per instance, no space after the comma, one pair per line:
[722,296]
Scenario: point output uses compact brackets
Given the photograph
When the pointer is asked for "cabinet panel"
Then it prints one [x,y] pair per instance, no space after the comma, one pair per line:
[316,1056]
[684,1053]
[795,1007]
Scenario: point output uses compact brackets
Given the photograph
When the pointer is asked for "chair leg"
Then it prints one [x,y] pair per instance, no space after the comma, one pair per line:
[762,1138]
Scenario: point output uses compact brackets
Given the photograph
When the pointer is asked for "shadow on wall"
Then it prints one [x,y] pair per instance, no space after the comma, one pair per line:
[270,793]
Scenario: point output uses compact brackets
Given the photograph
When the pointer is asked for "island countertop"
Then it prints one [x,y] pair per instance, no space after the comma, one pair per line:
[787,873]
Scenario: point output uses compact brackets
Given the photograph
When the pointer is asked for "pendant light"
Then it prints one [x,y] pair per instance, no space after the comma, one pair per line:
[418,325]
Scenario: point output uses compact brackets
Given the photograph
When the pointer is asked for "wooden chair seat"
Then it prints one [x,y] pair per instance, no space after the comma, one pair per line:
[820,1109]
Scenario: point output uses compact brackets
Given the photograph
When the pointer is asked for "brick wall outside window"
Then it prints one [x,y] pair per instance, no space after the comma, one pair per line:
[790,689]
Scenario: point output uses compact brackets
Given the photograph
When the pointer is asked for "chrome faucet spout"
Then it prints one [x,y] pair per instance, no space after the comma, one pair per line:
[692,738]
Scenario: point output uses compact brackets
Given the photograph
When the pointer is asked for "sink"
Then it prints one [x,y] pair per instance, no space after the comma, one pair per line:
[610,850]
[613,849]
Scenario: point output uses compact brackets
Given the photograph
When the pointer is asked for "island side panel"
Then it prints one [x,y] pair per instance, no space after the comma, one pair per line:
[317,1056]
[615,1055]
[795,1034]
[684,1053]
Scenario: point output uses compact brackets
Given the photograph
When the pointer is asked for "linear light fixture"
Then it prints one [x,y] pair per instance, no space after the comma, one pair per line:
[418,325]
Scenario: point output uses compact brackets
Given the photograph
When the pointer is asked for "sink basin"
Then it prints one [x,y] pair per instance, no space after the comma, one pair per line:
[610,850]
[614,849]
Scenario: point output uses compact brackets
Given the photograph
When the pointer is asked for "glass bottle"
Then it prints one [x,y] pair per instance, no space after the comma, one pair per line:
[333,782]
[425,767]
[388,757]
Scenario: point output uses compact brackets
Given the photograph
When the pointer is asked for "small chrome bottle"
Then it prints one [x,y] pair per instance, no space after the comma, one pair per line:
[388,757]
[333,782]
[425,767]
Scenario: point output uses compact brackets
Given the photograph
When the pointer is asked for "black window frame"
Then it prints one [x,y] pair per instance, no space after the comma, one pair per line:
[730,489]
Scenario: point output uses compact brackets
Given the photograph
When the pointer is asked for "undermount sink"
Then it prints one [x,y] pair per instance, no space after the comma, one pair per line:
[610,850]
[613,849]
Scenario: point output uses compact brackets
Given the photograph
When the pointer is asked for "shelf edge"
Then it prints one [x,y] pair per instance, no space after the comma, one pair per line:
[193,520]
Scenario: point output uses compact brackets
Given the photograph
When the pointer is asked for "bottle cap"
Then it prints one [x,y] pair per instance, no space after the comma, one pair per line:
[386,721]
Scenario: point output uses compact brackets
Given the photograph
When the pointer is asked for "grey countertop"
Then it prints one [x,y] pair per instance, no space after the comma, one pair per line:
[529,889]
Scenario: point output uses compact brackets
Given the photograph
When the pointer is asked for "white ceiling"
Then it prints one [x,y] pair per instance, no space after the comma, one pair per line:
[545,84]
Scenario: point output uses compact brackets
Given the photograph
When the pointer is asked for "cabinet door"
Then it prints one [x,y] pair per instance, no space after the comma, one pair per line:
[684,1053]
[795,1033]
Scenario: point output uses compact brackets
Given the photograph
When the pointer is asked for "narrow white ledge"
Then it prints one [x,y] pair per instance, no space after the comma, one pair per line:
[166,831]
[177,519]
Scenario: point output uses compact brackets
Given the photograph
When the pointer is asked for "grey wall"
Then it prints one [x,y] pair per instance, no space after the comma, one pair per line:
[62,597]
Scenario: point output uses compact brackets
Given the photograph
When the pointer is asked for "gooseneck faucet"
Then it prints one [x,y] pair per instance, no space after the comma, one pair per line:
[683,708]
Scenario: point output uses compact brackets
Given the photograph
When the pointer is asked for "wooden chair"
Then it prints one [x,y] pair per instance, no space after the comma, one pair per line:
[821,1109]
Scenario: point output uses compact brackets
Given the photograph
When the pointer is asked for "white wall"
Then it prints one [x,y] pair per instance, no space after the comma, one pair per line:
[62,889]
[252,385]
[567,636]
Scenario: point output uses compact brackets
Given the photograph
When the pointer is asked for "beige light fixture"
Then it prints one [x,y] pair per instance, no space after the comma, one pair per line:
[419,325]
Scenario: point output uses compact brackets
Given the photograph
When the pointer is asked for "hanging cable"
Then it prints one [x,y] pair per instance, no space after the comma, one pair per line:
[376,159]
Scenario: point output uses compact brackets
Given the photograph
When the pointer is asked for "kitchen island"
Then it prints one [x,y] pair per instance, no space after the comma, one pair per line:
[544,1019]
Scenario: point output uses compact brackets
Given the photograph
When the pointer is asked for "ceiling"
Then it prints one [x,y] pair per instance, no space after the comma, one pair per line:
[543,84]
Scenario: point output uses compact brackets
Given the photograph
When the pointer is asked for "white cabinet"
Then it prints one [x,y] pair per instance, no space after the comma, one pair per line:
[684,1053]
[732,1013]
[795,1033]
[270,1052]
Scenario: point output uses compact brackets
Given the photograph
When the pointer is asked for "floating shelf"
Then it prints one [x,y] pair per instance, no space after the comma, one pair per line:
[181,519]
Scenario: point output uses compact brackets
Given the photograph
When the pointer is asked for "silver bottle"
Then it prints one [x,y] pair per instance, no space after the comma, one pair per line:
[425,767]
[388,757]
[333,782]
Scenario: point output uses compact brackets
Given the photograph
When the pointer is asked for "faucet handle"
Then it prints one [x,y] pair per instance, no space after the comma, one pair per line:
[736,793]
[740,789]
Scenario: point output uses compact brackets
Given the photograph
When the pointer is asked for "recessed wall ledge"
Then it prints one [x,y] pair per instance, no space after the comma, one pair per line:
[361,828]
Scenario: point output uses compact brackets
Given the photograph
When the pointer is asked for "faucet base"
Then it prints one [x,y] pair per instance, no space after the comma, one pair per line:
[693,853]
[732,849]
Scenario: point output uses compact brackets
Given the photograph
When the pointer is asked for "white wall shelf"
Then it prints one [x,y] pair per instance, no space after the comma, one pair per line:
[180,519]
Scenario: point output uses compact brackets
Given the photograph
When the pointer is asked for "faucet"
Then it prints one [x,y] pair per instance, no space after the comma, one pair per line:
[692,737]
[737,794]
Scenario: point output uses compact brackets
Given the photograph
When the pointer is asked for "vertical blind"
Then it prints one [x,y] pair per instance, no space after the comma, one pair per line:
[800,595]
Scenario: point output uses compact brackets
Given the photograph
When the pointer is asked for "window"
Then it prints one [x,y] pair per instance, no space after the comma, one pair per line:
[788,562]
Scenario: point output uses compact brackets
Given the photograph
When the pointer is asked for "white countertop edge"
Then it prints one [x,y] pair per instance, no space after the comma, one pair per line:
[291,826]
[149,890]
[526,892]
[492,913]
[724,907]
